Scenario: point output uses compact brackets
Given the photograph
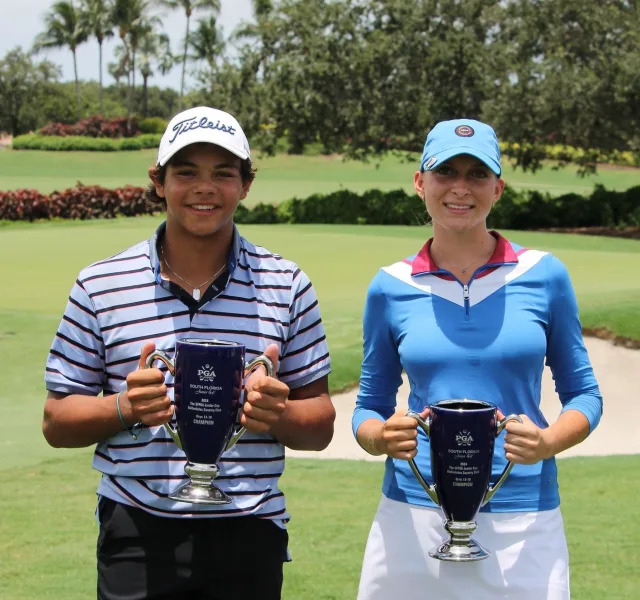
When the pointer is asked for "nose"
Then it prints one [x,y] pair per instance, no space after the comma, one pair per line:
[459,188]
[204,185]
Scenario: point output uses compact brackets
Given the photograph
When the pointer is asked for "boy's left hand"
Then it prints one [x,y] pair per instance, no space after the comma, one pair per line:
[265,397]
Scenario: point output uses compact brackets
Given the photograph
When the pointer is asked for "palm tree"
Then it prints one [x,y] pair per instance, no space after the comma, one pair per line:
[117,71]
[155,52]
[120,68]
[189,6]
[259,34]
[206,42]
[96,16]
[64,29]
[132,20]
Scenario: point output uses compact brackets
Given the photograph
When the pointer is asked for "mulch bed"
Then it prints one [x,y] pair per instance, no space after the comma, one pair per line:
[603,333]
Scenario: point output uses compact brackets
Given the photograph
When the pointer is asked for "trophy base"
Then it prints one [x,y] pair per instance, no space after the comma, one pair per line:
[198,494]
[460,547]
[453,553]
[200,489]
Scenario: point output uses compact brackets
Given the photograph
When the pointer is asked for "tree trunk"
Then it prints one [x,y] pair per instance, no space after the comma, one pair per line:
[132,90]
[100,104]
[144,95]
[128,99]
[75,73]
[184,61]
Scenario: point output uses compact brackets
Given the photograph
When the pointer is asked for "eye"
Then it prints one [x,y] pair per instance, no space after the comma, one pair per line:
[445,170]
[226,174]
[479,173]
[185,173]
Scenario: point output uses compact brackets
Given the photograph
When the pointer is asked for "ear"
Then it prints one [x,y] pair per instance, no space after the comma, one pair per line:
[152,172]
[246,186]
[418,183]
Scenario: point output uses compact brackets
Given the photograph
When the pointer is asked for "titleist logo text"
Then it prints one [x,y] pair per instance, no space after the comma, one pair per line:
[204,123]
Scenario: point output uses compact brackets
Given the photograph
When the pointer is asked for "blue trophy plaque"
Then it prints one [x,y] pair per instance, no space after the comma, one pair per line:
[208,384]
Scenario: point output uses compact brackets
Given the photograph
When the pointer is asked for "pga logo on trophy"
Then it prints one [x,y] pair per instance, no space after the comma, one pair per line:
[462,436]
[208,385]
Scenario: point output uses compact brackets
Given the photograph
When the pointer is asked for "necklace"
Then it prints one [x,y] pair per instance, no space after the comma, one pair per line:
[196,288]
[463,270]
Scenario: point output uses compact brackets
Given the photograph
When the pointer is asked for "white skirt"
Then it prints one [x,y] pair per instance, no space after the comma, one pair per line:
[529,557]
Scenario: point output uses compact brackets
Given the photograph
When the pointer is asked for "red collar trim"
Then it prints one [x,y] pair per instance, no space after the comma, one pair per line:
[423,264]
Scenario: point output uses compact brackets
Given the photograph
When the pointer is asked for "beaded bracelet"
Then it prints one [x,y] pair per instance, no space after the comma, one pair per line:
[134,429]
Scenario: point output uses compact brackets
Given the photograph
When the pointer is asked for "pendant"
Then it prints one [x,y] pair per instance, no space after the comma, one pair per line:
[196,294]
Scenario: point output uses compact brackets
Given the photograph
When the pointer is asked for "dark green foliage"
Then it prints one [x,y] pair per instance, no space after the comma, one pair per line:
[534,210]
[76,142]
[371,207]
[153,125]
[24,85]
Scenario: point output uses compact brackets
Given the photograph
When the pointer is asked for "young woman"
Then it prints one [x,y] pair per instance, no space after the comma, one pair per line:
[471,315]
[195,277]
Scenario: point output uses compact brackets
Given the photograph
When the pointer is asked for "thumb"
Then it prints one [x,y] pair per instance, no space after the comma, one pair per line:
[147,349]
[272,353]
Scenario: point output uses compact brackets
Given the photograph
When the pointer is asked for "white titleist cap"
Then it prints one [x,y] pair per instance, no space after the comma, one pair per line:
[203,124]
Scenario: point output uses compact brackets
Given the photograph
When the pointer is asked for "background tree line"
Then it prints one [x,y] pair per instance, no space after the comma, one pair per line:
[366,76]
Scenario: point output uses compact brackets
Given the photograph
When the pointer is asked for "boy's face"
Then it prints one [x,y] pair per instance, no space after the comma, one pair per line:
[202,188]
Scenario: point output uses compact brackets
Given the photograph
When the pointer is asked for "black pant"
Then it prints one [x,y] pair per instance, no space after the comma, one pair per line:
[141,556]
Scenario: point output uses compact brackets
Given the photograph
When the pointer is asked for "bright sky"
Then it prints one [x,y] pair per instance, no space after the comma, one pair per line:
[22,20]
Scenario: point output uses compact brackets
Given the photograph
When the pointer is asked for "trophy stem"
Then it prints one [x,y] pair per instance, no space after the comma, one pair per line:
[460,547]
[200,489]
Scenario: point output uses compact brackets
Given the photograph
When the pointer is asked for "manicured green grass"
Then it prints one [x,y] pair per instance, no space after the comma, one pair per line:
[279,178]
[42,260]
[48,532]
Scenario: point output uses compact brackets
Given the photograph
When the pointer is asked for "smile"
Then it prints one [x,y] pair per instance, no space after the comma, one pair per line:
[203,207]
[459,206]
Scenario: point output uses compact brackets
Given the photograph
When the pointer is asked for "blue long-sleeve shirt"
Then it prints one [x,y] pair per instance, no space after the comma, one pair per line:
[487,340]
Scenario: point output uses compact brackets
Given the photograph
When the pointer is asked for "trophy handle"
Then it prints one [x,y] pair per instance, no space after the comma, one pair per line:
[494,488]
[162,357]
[426,427]
[268,365]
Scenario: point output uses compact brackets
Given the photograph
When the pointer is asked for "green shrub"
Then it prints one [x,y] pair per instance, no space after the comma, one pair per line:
[153,125]
[32,141]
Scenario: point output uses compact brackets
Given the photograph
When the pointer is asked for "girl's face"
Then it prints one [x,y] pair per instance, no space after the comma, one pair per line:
[459,193]
[202,188]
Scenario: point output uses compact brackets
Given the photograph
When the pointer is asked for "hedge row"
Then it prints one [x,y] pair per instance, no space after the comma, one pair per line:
[100,126]
[32,141]
[81,202]
[96,126]
[561,153]
[516,210]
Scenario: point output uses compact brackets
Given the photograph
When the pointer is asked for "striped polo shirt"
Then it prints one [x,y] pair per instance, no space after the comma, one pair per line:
[119,304]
